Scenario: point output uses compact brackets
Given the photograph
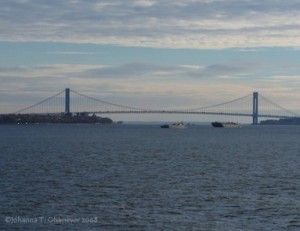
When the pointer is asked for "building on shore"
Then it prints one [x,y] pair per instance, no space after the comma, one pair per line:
[52,118]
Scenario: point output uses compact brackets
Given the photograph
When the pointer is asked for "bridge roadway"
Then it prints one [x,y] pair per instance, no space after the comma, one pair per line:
[184,112]
[161,112]
[122,109]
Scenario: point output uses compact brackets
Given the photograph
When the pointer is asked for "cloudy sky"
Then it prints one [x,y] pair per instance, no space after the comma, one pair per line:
[150,52]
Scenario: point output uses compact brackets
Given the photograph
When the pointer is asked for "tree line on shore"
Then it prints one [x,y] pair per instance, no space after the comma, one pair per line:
[52,118]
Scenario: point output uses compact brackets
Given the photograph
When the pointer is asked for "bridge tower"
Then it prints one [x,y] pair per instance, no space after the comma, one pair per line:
[67,100]
[255,109]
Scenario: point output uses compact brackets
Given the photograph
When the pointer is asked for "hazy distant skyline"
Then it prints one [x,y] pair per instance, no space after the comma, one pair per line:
[191,52]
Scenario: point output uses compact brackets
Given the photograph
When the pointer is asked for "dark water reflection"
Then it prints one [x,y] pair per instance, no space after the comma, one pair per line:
[93,177]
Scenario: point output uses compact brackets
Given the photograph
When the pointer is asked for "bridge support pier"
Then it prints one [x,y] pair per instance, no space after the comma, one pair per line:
[255,109]
[67,100]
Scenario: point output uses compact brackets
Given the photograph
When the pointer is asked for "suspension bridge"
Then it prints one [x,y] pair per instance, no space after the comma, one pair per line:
[69,101]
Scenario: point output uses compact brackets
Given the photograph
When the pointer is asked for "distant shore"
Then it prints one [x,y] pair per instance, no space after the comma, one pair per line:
[52,118]
[285,121]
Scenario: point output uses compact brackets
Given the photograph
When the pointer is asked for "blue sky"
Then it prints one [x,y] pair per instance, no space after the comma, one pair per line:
[137,52]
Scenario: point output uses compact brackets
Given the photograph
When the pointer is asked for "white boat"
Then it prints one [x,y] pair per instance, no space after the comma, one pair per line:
[174,125]
[225,125]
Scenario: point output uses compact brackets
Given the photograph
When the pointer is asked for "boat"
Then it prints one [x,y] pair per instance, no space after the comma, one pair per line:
[225,125]
[174,125]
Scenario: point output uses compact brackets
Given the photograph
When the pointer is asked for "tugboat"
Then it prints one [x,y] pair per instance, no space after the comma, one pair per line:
[225,125]
[174,125]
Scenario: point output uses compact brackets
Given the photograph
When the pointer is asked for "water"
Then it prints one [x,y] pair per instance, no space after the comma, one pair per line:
[142,177]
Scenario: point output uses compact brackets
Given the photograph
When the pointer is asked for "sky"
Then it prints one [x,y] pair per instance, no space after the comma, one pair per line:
[161,53]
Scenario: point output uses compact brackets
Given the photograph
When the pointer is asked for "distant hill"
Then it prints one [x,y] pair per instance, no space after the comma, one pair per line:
[287,121]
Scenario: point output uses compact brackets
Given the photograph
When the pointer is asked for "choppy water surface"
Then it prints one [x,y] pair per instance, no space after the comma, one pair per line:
[142,177]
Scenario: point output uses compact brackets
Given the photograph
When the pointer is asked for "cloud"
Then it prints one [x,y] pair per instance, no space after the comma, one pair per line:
[166,23]
[131,71]
[140,78]
[144,85]
[71,53]
[281,79]
[158,72]
[93,74]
